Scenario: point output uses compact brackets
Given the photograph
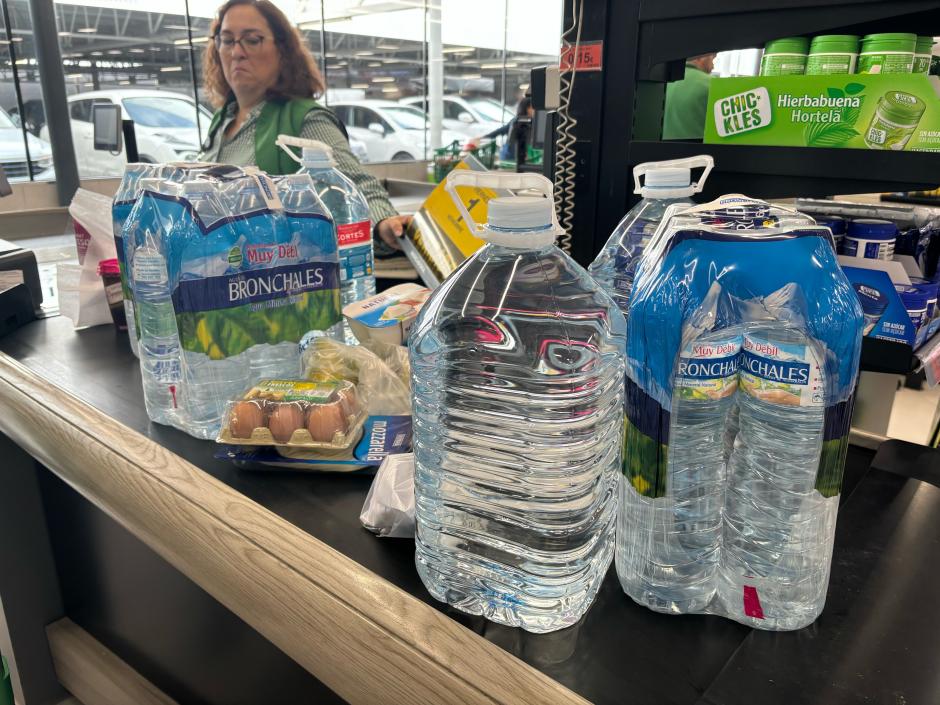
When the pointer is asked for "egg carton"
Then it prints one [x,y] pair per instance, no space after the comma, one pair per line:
[295,414]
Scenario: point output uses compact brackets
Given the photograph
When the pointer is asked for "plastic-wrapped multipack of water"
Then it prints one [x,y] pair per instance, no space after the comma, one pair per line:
[743,342]
[517,374]
[229,271]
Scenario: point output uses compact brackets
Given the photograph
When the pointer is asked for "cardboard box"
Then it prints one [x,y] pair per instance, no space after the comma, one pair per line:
[856,111]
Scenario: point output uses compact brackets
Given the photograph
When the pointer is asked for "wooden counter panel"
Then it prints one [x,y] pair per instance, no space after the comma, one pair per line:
[363,637]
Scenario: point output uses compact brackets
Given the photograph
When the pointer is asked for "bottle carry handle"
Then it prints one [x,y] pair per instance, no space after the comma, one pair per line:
[492,179]
[285,142]
[703,161]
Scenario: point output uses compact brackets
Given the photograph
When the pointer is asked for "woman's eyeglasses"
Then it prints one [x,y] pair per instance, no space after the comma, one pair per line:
[249,43]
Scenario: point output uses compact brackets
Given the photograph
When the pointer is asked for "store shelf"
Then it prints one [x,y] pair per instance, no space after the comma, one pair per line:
[775,172]
[672,31]
[895,358]
[619,110]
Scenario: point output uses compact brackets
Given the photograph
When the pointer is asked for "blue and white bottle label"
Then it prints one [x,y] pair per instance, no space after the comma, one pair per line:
[709,370]
[789,374]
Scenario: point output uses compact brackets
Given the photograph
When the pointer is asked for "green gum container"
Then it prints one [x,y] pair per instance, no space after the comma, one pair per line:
[832,53]
[887,53]
[894,121]
[784,56]
[922,55]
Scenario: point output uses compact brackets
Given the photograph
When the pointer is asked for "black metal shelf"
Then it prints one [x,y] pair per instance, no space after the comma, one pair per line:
[619,109]
[778,172]
[885,356]
[672,31]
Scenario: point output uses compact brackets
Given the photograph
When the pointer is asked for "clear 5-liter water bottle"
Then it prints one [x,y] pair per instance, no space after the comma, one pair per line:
[666,183]
[306,217]
[263,228]
[777,528]
[517,373]
[208,384]
[668,547]
[159,343]
[350,212]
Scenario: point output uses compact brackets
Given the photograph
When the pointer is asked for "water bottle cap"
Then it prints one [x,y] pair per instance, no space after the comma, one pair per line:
[302,180]
[521,221]
[318,156]
[670,177]
[197,186]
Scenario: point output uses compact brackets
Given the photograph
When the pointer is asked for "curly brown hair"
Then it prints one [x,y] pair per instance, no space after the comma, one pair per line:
[299,76]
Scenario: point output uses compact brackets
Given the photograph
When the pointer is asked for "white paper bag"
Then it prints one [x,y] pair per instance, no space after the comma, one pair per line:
[81,291]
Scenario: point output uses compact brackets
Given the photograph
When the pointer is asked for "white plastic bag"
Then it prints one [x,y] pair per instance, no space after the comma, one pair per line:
[81,292]
[389,509]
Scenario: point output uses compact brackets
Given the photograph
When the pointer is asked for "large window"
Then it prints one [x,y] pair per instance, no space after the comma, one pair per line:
[24,153]
[374,54]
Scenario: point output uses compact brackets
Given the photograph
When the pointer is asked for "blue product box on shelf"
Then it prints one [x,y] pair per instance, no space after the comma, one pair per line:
[885,315]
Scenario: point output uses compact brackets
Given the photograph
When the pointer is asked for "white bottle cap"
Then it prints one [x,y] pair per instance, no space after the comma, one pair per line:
[320,156]
[521,222]
[671,178]
[196,186]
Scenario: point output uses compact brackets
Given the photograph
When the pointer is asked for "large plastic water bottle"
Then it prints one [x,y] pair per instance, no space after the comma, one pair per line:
[263,224]
[159,343]
[306,215]
[350,212]
[668,546]
[777,528]
[517,373]
[208,384]
[666,183]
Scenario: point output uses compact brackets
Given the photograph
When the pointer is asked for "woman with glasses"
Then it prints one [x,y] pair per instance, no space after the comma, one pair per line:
[264,82]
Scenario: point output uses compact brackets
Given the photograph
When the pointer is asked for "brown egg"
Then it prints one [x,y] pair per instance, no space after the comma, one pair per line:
[348,400]
[324,420]
[246,416]
[284,419]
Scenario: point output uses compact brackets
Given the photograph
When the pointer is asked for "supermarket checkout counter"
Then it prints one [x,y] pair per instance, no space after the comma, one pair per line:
[218,585]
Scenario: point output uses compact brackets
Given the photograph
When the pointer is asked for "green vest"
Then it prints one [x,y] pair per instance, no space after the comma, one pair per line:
[278,117]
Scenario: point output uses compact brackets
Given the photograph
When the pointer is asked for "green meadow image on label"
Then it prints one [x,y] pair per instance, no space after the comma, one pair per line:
[897,111]
[227,332]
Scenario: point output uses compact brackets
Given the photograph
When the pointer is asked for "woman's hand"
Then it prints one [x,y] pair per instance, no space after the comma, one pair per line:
[391,229]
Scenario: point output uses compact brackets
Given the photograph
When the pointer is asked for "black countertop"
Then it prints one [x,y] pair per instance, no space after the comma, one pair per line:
[874,643]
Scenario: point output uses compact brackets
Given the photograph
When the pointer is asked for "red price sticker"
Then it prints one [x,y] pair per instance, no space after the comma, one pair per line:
[588,57]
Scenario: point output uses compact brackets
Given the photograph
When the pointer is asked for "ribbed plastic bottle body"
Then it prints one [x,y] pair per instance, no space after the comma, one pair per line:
[280,360]
[777,528]
[517,372]
[159,349]
[299,204]
[120,209]
[668,547]
[350,212]
[208,384]
[615,267]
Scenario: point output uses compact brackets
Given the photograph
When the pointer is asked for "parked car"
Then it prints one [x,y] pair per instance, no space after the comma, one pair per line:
[358,148]
[475,116]
[390,131]
[35,115]
[164,123]
[13,152]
